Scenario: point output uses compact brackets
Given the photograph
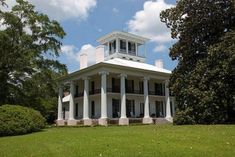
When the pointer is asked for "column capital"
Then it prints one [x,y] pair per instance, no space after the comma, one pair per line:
[103,73]
[123,75]
[146,78]
[86,78]
[167,81]
[72,82]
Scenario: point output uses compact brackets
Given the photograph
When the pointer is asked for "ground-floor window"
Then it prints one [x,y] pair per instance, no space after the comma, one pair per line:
[130,108]
[141,109]
[116,108]
[92,109]
[76,110]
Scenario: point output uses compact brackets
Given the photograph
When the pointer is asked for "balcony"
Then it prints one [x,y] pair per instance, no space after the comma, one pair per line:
[117,90]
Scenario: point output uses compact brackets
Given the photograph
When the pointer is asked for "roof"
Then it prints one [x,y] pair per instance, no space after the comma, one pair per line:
[134,64]
[121,63]
[122,34]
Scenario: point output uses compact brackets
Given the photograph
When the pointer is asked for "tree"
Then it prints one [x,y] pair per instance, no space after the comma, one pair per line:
[29,43]
[203,81]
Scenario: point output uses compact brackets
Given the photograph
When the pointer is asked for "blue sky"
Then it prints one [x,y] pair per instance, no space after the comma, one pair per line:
[84,21]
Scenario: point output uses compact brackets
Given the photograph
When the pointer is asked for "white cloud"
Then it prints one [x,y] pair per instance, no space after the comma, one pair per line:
[115,10]
[62,9]
[65,9]
[147,22]
[160,48]
[73,53]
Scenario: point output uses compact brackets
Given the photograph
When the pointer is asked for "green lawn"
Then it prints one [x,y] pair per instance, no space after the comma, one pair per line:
[126,141]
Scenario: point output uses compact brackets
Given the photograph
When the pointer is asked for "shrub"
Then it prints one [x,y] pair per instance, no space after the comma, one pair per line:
[183,117]
[17,120]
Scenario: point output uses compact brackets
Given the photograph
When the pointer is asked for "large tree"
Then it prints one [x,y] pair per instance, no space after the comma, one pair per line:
[29,43]
[203,81]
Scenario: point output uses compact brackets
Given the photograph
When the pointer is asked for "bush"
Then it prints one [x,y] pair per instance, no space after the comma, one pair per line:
[17,120]
[183,117]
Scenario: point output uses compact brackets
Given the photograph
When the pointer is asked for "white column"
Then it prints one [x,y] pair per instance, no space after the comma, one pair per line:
[60,95]
[136,49]
[117,45]
[167,100]
[146,98]
[103,117]
[123,96]
[109,48]
[123,119]
[71,101]
[104,94]
[127,49]
[147,119]
[86,98]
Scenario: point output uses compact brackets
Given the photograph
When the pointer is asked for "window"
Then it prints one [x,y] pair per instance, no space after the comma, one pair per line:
[129,86]
[115,85]
[76,110]
[112,47]
[93,109]
[130,108]
[123,45]
[159,90]
[141,87]
[141,109]
[76,91]
[92,87]
[131,48]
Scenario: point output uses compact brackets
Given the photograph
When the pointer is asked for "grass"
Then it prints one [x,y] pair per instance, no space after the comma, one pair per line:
[126,141]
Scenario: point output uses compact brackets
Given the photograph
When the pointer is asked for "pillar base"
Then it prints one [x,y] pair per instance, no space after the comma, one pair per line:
[169,119]
[72,122]
[103,121]
[123,121]
[60,122]
[87,122]
[147,120]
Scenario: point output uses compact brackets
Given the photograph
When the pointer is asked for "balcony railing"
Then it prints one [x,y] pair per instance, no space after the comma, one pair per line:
[117,90]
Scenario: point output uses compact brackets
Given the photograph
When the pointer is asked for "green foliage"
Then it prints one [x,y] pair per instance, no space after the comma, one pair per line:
[204,77]
[30,43]
[183,117]
[16,120]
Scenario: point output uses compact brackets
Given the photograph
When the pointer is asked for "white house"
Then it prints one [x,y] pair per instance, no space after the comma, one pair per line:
[119,88]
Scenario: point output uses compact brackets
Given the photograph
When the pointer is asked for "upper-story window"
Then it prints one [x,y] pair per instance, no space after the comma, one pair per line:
[122,45]
[131,48]
[112,47]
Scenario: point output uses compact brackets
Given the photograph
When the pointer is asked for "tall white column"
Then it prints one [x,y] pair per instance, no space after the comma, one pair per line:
[117,45]
[103,118]
[60,95]
[147,119]
[86,98]
[71,120]
[167,100]
[127,49]
[86,119]
[136,49]
[123,119]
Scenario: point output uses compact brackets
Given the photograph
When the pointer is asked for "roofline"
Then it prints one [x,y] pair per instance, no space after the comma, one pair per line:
[94,66]
[115,33]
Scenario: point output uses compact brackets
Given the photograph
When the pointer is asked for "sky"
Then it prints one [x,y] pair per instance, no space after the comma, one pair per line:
[84,21]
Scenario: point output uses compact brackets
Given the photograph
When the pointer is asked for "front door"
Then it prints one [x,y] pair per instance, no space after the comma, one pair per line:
[159,109]
[116,108]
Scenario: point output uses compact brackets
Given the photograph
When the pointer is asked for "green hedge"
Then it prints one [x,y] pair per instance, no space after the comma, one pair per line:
[17,120]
